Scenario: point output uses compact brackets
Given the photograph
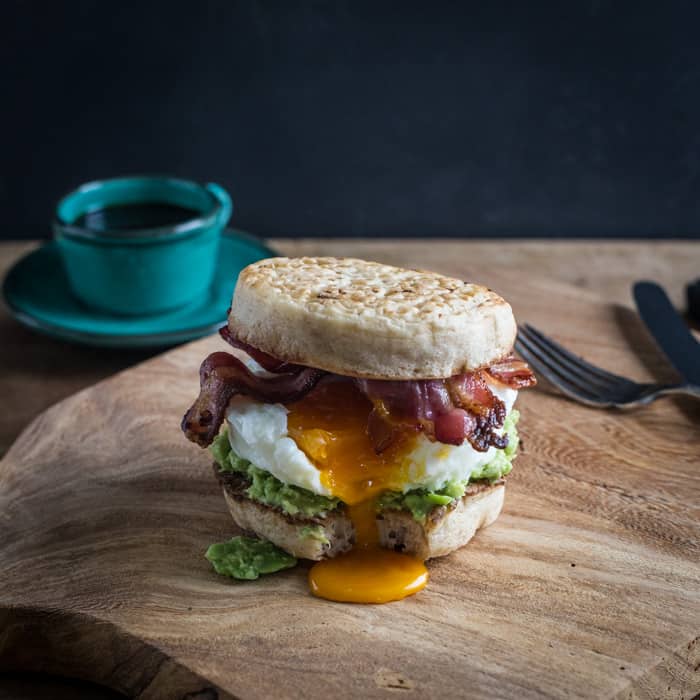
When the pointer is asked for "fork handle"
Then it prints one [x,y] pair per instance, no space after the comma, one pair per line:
[680,389]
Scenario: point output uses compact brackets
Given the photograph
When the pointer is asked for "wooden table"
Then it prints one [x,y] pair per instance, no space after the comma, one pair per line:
[35,372]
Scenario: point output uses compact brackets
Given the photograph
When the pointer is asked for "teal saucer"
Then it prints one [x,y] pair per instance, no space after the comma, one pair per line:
[37,293]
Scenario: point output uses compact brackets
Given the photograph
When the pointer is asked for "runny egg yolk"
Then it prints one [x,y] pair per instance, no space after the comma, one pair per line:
[330,426]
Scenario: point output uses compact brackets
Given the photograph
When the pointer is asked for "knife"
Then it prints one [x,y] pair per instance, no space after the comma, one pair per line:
[669,330]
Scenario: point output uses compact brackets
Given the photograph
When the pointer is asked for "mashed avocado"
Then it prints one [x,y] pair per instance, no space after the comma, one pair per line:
[269,490]
[246,558]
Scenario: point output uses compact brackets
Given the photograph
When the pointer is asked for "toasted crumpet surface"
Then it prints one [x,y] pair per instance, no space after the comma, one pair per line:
[365,319]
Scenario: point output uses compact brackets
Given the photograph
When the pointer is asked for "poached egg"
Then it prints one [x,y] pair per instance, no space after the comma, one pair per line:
[325,450]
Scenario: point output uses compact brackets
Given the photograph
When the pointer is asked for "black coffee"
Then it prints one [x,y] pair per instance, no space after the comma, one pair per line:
[128,217]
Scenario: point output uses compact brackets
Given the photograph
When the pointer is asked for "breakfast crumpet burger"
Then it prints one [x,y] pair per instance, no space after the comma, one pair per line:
[364,418]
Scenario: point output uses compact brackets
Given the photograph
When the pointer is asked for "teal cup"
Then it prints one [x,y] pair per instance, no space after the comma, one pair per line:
[141,245]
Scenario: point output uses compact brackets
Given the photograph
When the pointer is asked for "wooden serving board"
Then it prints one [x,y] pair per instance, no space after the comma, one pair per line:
[587,586]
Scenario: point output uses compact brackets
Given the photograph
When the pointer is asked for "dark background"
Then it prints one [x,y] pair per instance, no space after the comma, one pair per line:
[364,118]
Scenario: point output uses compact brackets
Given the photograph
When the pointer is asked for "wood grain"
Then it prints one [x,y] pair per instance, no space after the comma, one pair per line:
[587,586]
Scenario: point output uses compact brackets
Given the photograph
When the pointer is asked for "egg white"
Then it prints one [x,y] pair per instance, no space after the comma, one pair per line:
[258,432]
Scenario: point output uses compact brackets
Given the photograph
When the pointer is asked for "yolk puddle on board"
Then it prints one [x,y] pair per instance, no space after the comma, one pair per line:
[330,426]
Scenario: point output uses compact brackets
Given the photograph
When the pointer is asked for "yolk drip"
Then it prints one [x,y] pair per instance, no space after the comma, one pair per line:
[368,575]
[330,426]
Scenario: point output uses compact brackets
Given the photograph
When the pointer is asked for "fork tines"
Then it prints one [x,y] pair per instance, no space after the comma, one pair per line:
[571,374]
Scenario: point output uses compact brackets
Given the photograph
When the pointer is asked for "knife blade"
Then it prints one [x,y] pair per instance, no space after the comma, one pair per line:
[669,329]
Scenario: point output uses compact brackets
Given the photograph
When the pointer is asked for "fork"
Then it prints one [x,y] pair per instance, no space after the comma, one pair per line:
[585,382]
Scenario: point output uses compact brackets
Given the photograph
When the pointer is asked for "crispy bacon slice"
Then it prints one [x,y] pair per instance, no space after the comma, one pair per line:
[401,405]
[447,410]
[452,427]
[221,376]
[471,393]
[513,373]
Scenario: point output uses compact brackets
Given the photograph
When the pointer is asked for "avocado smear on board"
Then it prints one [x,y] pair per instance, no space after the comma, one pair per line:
[247,558]
[268,489]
